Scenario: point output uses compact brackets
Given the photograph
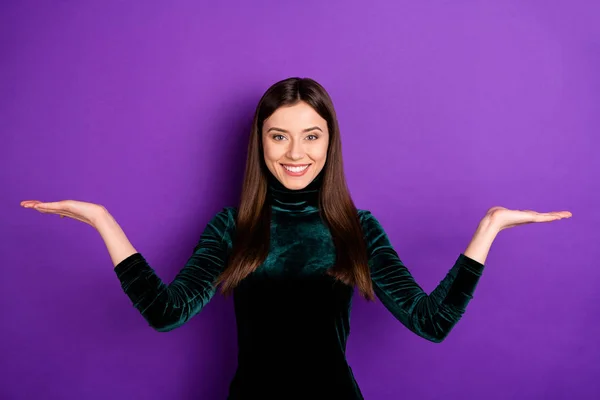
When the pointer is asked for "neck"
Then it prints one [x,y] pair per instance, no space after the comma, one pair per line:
[288,200]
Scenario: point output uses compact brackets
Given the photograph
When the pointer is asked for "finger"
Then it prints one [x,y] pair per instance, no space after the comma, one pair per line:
[548,218]
[559,214]
[70,215]
[550,215]
[29,203]
[564,214]
[46,210]
[49,206]
[532,213]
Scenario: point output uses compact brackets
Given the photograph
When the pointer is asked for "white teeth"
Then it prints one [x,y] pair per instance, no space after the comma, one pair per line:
[295,169]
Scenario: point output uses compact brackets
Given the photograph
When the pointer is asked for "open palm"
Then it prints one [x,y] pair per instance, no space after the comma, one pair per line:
[504,218]
[79,210]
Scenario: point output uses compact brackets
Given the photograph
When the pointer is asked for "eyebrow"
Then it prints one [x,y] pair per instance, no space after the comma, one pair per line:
[304,131]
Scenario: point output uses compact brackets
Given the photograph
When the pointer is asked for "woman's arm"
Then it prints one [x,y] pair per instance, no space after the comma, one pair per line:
[482,240]
[167,307]
[118,245]
[431,316]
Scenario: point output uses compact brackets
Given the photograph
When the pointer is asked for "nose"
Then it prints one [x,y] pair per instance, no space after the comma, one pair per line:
[295,150]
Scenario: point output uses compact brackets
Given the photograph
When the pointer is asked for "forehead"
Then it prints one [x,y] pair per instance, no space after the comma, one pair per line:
[296,117]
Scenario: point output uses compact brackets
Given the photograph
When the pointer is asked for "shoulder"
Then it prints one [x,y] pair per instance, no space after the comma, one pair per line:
[223,222]
[365,216]
[228,212]
[368,222]
[363,213]
[374,233]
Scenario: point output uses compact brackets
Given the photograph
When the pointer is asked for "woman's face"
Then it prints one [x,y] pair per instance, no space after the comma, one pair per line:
[295,140]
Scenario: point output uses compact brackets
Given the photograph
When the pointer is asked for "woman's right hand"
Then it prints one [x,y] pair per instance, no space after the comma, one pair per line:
[79,210]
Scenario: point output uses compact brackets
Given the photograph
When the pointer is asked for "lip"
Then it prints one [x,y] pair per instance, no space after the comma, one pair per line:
[290,173]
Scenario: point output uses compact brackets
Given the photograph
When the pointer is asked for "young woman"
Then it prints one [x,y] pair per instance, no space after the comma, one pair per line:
[292,254]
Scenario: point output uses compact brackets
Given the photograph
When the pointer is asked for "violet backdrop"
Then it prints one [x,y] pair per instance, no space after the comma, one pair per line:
[446,109]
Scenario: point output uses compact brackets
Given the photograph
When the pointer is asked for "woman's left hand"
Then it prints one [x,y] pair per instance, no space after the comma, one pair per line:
[503,218]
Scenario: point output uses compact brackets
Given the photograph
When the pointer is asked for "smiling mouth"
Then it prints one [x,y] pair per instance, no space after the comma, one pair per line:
[296,169]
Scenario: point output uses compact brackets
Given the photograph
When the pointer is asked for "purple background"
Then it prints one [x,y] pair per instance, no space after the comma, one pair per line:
[446,109]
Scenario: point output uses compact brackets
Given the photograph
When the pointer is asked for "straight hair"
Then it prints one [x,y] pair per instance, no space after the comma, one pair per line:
[337,210]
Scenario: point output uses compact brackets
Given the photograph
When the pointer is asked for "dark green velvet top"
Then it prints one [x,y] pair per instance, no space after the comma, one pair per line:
[293,319]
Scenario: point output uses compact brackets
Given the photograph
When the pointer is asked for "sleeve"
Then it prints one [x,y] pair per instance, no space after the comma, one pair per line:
[430,316]
[167,307]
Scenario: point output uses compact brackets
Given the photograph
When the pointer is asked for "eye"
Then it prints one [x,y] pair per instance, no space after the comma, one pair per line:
[312,136]
[276,137]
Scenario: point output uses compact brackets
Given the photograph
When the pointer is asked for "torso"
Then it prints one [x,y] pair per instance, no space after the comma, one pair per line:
[292,318]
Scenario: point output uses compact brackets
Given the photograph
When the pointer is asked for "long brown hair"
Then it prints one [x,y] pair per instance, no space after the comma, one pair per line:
[251,244]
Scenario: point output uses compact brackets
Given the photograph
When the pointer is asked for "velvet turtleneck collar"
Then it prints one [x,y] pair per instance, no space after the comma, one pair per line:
[287,200]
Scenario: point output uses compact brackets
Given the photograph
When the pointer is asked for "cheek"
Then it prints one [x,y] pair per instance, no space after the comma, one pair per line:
[321,154]
[268,152]
[271,156]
